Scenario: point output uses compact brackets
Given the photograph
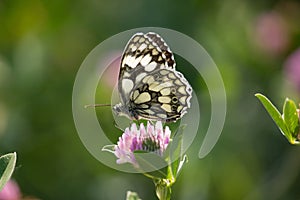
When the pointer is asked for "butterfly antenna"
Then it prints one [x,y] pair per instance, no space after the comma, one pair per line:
[96,105]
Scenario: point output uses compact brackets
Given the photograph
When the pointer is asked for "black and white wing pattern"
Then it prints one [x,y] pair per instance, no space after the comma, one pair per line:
[149,85]
[164,48]
[141,50]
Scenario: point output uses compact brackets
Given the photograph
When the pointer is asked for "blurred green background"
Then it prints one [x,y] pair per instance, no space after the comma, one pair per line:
[255,46]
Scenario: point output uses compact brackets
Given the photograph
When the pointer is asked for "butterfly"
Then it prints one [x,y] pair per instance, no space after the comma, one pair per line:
[149,86]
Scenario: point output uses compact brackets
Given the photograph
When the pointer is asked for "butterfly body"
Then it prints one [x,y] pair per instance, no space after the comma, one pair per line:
[149,86]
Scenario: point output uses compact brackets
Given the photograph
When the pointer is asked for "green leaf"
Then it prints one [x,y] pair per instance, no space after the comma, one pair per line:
[274,113]
[174,151]
[290,116]
[132,196]
[7,166]
[181,163]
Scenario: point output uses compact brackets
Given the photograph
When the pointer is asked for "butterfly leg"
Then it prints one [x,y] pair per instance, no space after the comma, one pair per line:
[118,127]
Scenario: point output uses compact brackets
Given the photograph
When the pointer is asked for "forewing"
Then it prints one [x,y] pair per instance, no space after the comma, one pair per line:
[164,48]
[163,94]
[142,52]
[141,56]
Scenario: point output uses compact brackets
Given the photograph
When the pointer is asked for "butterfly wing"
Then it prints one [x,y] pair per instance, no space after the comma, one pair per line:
[142,55]
[164,48]
[149,86]
[163,94]
[141,51]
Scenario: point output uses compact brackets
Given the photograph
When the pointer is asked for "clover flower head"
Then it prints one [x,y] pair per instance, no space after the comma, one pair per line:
[149,139]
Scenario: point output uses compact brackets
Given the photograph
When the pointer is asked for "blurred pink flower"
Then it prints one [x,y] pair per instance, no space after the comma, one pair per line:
[292,68]
[111,73]
[271,33]
[150,139]
[10,191]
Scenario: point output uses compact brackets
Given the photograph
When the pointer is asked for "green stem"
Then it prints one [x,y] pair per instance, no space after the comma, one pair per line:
[163,189]
[149,176]
[163,185]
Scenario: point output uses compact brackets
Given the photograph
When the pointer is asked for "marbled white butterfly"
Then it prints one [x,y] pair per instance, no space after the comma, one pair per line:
[149,85]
